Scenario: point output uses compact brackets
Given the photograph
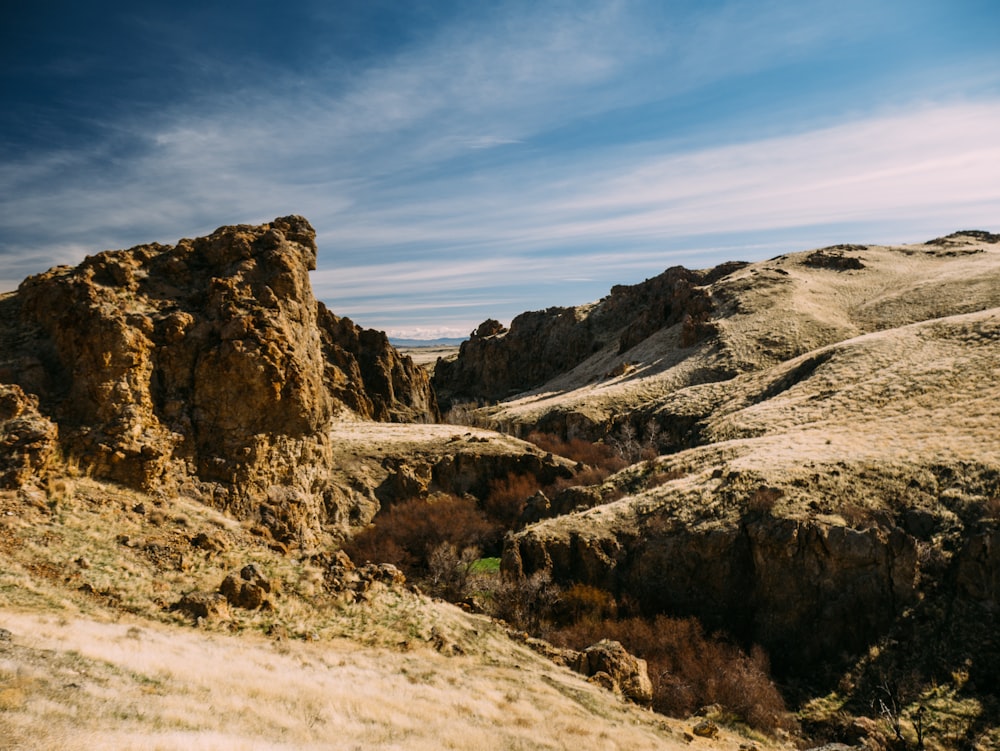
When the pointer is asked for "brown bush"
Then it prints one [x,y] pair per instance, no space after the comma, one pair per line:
[763,500]
[578,450]
[525,603]
[663,476]
[505,500]
[449,571]
[990,509]
[689,669]
[583,602]
[408,532]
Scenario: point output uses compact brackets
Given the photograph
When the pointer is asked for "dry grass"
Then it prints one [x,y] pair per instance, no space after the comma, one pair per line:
[73,683]
[95,660]
[771,312]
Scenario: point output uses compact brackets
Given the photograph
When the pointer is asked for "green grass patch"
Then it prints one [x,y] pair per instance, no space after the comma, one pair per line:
[485,566]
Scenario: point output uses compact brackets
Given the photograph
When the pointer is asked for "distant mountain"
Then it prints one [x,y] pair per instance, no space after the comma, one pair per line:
[442,342]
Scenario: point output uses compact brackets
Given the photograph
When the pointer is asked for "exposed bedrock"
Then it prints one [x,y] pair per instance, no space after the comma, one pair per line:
[805,589]
[207,366]
[495,362]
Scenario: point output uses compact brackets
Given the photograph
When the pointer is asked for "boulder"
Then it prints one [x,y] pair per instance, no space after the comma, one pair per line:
[210,606]
[247,590]
[706,729]
[625,670]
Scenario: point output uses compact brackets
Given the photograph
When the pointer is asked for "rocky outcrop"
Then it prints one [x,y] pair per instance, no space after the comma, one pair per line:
[207,366]
[28,441]
[626,672]
[495,362]
[367,374]
[607,664]
[807,590]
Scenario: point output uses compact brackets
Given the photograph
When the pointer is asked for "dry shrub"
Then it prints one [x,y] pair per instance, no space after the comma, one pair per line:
[856,515]
[663,476]
[991,509]
[408,532]
[525,603]
[583,602]
[578,450]
[763,500]
[449,571]
[690,670]
[505,500]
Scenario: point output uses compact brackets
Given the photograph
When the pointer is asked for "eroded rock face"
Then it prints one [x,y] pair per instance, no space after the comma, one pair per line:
[208,365]
[494,362]
[804,589]
[626,671]
[27,439]
[394,388]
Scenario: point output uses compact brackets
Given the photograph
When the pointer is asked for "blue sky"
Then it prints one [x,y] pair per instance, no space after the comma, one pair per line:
[465,160]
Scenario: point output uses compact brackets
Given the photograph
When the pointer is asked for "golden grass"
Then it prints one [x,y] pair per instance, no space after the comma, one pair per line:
[75,683]
[96,660]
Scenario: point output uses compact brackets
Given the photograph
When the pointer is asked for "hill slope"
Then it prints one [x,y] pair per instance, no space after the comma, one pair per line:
[683,329]
[831,478]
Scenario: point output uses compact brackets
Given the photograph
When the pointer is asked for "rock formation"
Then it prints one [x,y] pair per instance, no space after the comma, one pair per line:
[495,363]
[207,366]
[27,439]
[588,371]
[832,488]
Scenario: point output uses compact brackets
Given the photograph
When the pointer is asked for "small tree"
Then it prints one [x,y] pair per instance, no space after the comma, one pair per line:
[448,571]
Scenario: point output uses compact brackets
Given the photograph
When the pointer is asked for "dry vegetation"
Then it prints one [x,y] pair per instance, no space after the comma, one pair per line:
[871,403]
[92,657]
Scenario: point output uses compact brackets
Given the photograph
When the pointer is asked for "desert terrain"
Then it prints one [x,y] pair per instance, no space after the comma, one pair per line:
[232,519]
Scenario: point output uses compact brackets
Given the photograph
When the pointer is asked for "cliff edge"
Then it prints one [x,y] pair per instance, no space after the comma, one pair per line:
[207,367]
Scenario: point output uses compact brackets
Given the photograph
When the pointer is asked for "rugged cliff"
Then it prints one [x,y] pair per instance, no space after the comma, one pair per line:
[495,362]
[207,367]
[636,354]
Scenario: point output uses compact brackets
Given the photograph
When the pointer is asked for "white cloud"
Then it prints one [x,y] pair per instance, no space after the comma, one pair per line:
[438,185]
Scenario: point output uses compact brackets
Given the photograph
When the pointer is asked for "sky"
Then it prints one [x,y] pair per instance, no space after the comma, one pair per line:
[468,160]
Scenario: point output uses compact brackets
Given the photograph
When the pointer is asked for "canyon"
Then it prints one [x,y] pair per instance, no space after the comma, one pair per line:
[808,445]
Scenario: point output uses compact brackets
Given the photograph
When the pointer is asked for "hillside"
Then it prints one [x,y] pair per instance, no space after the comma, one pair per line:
[789,466]
[186,436]
[651,341]
[828,478]
[94,653]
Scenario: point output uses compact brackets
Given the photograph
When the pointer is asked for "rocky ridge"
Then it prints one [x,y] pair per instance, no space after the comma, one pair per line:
[719,324]
[828,475]
[495,362]
[207,367]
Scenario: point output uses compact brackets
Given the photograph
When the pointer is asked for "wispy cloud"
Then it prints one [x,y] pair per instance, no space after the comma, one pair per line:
[498,156]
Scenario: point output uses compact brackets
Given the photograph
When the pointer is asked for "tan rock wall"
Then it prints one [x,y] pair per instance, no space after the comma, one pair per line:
[208,365]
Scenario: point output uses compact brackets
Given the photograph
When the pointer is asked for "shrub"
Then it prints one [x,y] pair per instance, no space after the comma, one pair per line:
[525,603]
[689,669]
[583,602]
[448,571]
[506,498]
[763,500]
[408,532]
[580,451]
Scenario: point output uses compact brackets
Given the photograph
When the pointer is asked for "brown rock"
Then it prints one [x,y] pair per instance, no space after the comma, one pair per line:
[27,439]
[210,606]
[604,680]
[207,364]
[248,590]
[626,671]
[706,729]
